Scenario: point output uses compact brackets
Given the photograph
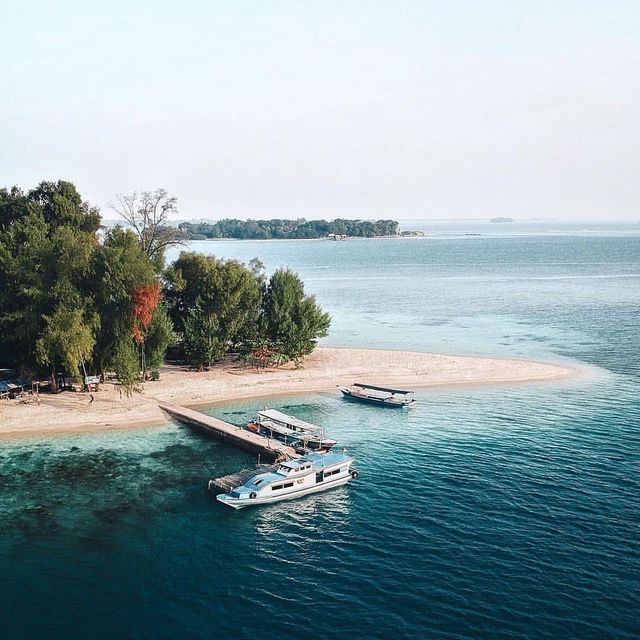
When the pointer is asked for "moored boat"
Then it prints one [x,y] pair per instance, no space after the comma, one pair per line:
[301,435]
[384,396]
[311,473]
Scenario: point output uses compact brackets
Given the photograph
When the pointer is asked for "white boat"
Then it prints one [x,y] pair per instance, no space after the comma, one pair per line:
[290,430]
[311,473]
[284,420]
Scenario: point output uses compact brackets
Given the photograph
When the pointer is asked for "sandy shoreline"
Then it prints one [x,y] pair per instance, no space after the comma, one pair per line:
[323,370]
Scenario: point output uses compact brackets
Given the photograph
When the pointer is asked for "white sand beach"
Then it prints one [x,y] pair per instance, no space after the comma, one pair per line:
[323,370]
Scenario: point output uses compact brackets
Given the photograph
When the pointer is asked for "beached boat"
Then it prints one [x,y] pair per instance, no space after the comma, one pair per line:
[312,473]
[378,395]
[290,430]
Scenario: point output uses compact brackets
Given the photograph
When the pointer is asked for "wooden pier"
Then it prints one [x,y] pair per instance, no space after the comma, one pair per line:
[268,448]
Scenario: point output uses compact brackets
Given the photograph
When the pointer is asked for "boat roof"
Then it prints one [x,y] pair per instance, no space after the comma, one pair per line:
[318,460]
[274,414]
[370,386]
[324,459]
[278,428]
[294,464]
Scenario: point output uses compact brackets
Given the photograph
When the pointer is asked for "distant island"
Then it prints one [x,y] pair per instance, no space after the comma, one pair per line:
[500,219]
[299,229]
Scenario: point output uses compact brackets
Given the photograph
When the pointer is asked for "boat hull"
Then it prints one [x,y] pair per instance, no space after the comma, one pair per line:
[377,401]
[241,503]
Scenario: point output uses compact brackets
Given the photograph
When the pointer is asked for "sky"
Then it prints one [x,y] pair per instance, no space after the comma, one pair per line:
[372,109]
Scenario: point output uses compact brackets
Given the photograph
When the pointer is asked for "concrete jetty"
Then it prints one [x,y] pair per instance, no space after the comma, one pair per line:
[268,448]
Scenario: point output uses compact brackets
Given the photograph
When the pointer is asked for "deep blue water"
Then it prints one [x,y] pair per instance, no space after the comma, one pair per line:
[483,512]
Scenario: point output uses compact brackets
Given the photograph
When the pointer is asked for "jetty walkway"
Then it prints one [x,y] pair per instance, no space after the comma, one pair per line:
[255,443]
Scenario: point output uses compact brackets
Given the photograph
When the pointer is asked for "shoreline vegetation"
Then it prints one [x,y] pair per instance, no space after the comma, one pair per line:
[278,229]
[84,303]
[324,369]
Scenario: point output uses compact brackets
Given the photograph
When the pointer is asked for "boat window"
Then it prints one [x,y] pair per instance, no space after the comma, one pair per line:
[257,482]
[286,485]
[274,487]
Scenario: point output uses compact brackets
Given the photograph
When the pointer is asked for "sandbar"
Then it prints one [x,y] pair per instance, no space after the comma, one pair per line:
[323,370]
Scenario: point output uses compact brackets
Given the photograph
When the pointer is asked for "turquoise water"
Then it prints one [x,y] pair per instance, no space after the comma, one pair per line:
[484,512]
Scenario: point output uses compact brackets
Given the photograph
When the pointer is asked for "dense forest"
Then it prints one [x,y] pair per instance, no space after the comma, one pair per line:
[288,229]
[76,299]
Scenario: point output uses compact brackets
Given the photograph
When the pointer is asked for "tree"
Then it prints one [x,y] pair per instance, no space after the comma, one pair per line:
[120,270]
[14,205]
[159,336]
[62,205]
[68,338]
[202,343]
[147,213]
[145,302]
[294,321]
[47,240]
[227,294]
[124,359]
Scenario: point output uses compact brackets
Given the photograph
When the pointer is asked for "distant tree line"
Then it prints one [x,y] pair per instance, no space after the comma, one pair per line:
[78,299]
[287,229]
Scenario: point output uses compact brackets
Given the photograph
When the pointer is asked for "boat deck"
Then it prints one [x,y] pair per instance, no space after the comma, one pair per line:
[223,484]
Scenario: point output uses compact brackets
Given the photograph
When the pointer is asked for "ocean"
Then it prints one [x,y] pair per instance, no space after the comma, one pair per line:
[508,511]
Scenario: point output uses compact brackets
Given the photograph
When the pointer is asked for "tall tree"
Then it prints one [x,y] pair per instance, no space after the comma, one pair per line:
[128,296]
[202,343]
[68,339]
[226,294]
[294,320]
[62,205]
[157,339]
[145,302]
[47,240]
[148,214]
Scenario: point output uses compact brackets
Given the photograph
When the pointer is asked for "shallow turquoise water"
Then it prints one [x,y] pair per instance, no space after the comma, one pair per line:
[486,512]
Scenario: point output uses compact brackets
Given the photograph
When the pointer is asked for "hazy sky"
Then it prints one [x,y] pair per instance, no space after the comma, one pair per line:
[320,109]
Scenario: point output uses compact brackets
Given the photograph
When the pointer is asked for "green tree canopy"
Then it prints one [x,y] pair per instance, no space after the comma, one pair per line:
[68,338]
[68,299]
[47,238]
[294,321]
[226,293]
[158,338]
[64,297]
[202,342]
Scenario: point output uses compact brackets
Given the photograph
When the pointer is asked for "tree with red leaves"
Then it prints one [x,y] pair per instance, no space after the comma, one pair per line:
[145,302]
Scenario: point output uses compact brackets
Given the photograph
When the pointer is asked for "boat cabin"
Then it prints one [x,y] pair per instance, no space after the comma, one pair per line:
[291,479]
[294,467]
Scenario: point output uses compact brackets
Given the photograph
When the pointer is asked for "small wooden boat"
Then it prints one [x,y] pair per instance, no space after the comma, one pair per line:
[384,396]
